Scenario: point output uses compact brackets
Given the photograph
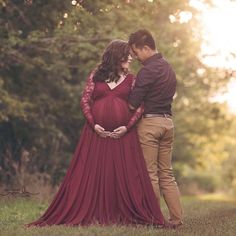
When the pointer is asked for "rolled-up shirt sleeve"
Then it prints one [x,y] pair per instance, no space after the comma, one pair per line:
[142,85]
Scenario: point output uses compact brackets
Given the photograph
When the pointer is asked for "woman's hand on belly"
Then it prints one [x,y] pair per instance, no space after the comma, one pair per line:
[118,132]
[101,131]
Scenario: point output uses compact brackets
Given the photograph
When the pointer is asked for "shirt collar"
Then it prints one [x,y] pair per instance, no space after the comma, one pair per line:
[157,55]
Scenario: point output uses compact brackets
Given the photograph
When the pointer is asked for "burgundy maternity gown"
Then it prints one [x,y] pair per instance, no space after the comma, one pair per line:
[107,181]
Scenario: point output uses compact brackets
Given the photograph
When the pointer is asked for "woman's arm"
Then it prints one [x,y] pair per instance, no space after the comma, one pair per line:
[135,117]
[86,100]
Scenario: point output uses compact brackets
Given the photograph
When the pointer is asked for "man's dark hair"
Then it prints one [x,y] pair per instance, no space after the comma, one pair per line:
[141,38]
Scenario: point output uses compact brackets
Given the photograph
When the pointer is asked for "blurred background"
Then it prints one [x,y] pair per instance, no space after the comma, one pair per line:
[48,48]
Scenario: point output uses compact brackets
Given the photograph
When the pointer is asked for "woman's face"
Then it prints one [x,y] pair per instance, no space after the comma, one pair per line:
[125,64]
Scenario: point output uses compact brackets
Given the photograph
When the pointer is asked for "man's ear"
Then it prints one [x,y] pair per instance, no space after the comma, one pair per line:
[146,48]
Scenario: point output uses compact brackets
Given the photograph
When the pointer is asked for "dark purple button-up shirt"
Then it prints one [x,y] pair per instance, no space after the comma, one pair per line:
[155,86]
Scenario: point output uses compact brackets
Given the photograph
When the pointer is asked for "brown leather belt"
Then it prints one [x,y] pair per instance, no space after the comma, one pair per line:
[157,115]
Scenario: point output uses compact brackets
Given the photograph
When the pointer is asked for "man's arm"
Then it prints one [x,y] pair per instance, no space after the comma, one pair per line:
[142,85]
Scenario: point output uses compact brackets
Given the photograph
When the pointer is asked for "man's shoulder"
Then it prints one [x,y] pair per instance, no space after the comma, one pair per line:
[151,70]
[144,71]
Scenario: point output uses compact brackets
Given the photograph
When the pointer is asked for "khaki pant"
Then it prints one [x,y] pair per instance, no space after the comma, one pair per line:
[156,136]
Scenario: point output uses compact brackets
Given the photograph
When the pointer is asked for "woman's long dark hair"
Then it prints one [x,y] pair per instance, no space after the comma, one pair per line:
[114,55]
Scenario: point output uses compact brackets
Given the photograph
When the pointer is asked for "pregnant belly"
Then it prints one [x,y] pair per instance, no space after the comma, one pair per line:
[111,113]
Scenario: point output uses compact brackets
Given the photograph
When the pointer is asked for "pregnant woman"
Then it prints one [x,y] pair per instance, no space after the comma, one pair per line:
[107,181]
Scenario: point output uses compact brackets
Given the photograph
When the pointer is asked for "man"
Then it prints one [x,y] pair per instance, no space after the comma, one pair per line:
[155,87]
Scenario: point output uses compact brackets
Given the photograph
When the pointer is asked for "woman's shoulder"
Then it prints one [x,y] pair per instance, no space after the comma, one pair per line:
[130,76]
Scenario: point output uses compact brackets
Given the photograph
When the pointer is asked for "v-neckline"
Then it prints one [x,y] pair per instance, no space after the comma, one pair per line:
[111,89]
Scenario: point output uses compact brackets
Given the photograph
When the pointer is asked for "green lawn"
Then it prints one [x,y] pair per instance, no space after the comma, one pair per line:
[205,215]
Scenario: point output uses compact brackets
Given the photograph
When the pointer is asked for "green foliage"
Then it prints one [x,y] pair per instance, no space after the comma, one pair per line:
[229,174]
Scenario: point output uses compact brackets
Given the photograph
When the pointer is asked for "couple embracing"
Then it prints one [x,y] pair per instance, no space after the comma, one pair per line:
[122,163]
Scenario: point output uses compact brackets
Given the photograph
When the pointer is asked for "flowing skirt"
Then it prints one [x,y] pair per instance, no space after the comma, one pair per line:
[106,183]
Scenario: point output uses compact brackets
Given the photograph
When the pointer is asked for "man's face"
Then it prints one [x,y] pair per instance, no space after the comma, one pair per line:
[139,53]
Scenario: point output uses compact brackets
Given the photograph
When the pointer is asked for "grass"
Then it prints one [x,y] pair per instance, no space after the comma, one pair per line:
[204,215]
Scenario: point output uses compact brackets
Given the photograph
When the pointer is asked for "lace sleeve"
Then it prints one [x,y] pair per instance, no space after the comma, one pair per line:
[135,117]
[136,114]
[86,100]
